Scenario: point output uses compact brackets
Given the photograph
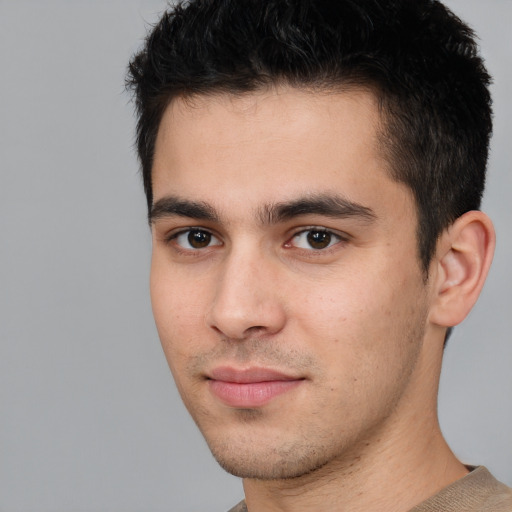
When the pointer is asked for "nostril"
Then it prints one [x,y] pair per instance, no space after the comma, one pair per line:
[255,329]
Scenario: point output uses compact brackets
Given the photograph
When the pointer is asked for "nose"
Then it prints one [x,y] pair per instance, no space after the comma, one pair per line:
[247,300]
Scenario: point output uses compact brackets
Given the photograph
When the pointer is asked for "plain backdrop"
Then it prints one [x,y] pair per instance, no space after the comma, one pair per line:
[90,419]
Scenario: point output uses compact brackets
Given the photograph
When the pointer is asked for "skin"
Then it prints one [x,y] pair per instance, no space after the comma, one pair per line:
[352,320]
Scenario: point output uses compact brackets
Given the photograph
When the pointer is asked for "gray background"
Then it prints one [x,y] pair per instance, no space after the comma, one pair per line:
[90,420]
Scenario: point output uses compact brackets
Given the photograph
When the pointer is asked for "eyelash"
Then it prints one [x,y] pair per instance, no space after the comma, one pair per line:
[334,239]
[173,237]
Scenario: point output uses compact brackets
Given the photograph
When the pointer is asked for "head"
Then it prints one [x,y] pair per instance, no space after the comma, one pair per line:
[417,58]
[312,170]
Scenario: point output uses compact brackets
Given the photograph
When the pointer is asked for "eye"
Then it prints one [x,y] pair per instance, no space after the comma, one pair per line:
[194,239]
[315,238]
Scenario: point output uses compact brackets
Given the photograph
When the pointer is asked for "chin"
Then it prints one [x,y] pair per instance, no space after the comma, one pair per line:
[269,462]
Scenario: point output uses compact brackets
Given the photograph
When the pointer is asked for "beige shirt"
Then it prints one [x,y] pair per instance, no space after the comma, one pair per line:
[478,491]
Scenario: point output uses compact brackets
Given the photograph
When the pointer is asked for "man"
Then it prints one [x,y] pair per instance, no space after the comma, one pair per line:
[313,170]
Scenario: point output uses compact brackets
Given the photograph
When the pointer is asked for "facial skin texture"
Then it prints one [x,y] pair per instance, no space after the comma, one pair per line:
[349,323]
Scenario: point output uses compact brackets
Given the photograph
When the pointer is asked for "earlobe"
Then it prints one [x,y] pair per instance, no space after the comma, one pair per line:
[464,255]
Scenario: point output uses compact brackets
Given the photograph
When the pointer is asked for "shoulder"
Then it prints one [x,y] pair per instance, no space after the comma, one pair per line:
[478,491]
[499,498]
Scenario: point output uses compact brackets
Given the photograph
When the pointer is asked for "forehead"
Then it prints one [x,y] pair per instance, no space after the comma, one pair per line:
[272,146]
[279,114]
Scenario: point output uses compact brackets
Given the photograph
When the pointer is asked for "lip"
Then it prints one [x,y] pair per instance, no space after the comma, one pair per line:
[250,388]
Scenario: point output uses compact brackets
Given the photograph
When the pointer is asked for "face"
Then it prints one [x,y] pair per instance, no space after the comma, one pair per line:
[285,282]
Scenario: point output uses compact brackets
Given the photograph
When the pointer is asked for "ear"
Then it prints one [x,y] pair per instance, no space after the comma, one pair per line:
[464,255]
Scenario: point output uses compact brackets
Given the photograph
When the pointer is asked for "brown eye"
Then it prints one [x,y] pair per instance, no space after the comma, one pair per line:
[315,239]
[194,239]
[199,239]
[319,239]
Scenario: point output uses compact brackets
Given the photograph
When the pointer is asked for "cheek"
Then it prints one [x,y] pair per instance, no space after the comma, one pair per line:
[363,320]
[340,309]
[178,312]
[367,343]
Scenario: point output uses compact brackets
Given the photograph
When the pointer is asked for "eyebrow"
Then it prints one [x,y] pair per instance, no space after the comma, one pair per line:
[171,206]
[328,205]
